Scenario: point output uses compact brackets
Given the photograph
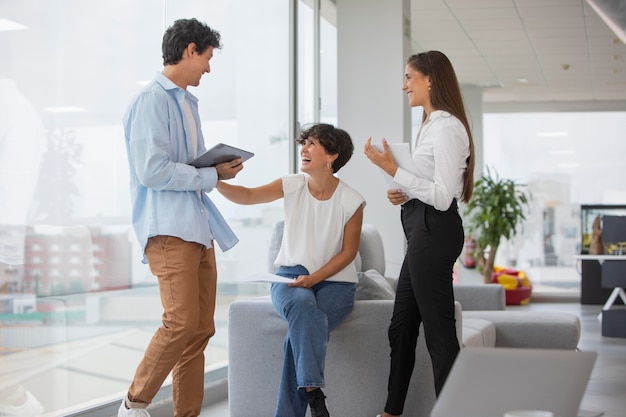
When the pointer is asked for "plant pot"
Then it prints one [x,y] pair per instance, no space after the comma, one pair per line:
[517,286]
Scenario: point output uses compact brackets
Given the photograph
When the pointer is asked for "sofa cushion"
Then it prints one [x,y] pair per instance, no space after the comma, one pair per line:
[478,333]
[275,242]
[358,263]
[371,249]
[373,286]
[393,282]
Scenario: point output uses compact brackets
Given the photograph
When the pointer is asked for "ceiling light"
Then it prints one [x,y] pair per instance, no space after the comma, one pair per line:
[64,109]
[562,152]
[551,134]
[6,24]
[610,11]
[488,84]
[522,80]
[569,166]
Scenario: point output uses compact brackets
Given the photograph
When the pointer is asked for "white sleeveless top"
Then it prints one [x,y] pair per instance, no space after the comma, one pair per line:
[313,228]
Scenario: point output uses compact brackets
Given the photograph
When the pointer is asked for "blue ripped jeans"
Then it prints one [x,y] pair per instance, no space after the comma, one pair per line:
[311,314]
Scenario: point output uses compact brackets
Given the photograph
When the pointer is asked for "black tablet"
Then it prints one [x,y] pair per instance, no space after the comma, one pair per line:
[220,153]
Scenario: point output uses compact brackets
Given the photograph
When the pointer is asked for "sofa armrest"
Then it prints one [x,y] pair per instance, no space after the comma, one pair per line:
[480,296]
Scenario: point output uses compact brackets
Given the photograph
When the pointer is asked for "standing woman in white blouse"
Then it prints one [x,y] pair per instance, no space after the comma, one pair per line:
[444,158]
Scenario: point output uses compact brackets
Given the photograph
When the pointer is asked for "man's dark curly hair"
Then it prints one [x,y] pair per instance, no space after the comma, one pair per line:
[334,141]
[183,32]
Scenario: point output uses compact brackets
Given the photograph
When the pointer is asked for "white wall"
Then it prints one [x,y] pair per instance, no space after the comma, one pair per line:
[473,99]
[372,52]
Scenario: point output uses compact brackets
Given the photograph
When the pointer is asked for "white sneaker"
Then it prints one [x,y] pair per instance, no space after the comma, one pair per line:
[29,408]
[131,412]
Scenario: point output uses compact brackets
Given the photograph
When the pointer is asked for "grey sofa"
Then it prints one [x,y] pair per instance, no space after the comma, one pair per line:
[357,362]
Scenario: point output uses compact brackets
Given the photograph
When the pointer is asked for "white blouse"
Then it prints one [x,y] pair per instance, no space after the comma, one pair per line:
[314,228]
[440,157]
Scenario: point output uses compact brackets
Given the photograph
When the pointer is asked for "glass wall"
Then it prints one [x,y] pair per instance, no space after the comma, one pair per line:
[566,160]
[77,307]
[317,61]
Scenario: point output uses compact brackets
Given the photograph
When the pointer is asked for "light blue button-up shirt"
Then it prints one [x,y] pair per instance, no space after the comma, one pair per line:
[165,190]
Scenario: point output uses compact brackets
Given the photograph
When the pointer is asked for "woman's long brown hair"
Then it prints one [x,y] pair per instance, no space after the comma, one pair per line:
[445,94]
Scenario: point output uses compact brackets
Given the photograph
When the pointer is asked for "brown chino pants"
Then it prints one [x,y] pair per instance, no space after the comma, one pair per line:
[187,277]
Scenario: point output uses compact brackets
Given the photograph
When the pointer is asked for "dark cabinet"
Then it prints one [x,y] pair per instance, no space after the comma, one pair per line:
[591,290]
[614,317]
[604,274]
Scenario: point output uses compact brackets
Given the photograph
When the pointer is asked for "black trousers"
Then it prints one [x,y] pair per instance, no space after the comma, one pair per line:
[424,295]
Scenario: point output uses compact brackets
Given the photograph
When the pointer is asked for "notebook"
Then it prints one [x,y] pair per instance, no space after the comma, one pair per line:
[220,153]
[402,155]
[488,382]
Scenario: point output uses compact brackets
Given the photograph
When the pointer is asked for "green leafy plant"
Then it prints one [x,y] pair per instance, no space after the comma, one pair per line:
[494,212]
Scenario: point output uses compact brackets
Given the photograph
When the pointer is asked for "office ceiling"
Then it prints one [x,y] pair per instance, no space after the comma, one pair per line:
[517,49]
[542,55]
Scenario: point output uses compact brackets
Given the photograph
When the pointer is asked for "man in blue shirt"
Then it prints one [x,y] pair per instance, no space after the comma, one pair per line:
[174,219]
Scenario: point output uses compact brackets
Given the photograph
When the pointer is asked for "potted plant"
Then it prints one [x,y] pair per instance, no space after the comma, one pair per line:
[494,212]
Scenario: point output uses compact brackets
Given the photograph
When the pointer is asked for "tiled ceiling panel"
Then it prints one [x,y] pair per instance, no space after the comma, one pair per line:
[551,51]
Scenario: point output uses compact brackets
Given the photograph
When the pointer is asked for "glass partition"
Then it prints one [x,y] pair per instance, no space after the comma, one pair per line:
[567,161]
[77,307]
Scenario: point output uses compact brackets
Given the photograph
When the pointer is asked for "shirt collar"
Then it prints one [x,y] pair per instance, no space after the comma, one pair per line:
[438,113]
[168,84]
[165,82]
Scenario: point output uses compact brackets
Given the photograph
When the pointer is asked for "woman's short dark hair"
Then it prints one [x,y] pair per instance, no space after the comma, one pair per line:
[183,32]
[334,141]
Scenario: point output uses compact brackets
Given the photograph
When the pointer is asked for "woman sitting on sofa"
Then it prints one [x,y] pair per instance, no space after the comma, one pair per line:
[323,218]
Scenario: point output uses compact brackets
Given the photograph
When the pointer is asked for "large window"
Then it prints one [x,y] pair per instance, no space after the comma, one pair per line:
[317,61]
[566,160]
[77,307]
